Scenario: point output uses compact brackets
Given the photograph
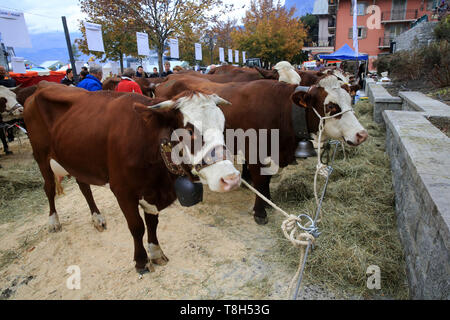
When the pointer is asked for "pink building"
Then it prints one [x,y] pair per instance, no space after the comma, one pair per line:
[396,16]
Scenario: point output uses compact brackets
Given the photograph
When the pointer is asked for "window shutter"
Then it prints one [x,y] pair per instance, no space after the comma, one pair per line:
[350,33]
[364,33]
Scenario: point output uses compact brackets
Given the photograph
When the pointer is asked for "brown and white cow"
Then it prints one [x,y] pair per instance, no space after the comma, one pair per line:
[268,104]
[10,108]
[114,139]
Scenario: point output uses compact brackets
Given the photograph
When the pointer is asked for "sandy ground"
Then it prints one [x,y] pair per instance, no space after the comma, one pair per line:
[215,251]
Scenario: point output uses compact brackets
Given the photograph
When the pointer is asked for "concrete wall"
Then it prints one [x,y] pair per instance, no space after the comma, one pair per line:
[420,165]
[416,37]
[381,100]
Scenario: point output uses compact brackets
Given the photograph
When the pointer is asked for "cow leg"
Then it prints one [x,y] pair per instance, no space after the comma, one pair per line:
[261,183]
[129,206]
[98,220]
[50,190]
[157,256]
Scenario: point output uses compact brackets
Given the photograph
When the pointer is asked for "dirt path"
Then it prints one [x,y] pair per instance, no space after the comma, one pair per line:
[216,251]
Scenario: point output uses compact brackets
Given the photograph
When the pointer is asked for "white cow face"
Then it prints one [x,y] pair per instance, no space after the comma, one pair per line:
[345,126]
[204,125]
[287,73]
[8,104]
[328,98]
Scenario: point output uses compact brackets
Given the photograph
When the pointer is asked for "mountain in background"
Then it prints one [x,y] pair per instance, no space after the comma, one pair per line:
[49,46]
[302,6]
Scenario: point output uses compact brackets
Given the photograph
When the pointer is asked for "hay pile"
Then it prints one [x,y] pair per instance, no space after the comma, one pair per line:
[359,222]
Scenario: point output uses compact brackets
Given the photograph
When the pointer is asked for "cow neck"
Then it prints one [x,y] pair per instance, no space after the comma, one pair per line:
[298,119]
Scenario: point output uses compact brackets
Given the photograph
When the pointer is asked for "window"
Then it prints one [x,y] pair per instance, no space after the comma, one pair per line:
[360,9]
[362,33]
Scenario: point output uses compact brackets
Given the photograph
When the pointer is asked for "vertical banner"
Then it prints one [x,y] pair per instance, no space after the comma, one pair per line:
[18,64]
[221,54]
[230,55]
[236,56]
[243,57]
[198,51]
[142,44]
[78,65]
[94,36]
[355,26]
[14,29]
[173,44]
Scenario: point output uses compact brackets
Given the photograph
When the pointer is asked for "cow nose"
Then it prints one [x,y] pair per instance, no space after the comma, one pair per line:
[361,136]
[230,181]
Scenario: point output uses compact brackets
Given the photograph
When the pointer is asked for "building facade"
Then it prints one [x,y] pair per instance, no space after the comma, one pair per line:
[395,16]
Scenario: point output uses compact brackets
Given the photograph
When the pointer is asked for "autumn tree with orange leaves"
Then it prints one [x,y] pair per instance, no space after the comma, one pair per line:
[270,32]
[160,19]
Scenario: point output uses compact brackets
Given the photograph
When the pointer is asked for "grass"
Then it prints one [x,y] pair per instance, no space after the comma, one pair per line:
[359,222]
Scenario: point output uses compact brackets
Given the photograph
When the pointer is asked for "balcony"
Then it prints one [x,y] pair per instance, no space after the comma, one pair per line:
[332,9]
[399,16]
[385,42]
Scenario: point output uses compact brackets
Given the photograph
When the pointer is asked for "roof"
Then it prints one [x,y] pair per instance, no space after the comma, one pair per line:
[320,7]
[344,53]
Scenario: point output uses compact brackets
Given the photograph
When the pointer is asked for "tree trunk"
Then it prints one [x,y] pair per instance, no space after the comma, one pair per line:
[160,58]
[121,63]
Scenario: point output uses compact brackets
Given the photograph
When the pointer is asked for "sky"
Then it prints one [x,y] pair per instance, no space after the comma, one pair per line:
[45,15]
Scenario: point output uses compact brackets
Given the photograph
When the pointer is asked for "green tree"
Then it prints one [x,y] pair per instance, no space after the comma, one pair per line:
[311,23]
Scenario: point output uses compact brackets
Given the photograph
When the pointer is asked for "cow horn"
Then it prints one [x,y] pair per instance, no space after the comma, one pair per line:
[162,105]
[220,101]
[302,89]
[14,88]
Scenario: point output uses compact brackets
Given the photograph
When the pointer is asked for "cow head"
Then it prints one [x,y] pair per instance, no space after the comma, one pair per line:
[202,140]
[287,73]
[329,98]
[9,107]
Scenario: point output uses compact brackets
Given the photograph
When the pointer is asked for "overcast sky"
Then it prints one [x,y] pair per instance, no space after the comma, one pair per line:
[45,15]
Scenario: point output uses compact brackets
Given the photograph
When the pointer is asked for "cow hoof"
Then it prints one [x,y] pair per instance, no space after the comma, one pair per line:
[99,221]
[261,220]
[157,255]
[53,223]
[147,268]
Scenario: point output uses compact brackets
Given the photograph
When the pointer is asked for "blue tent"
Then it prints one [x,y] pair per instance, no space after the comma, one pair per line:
[344,53]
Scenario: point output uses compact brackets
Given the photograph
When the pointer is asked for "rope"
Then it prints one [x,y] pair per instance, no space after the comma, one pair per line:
[299,239]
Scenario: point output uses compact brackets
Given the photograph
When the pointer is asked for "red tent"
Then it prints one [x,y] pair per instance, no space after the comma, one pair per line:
[31,77]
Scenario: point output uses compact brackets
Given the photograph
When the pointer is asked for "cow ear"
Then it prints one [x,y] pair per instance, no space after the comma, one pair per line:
[301,98]
[143,111]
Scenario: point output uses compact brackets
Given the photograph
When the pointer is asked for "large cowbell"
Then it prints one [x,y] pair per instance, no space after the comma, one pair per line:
[188,193]
[305,147]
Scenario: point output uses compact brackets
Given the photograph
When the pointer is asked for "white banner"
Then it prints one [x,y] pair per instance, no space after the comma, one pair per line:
[13,29]
[198,51]
[142,44]
[230,55]
[355,26]
[173,44]
[236,56]
[94,36]
[243,56]
[221,54]
[18,65]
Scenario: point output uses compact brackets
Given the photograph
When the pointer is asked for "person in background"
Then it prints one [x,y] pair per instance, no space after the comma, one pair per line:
[84,69]
[92,81]
[155,73]
[68,79]
[5,79]
[127,84]
[167,70]
[140,72]
[83,74]
[319,65]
